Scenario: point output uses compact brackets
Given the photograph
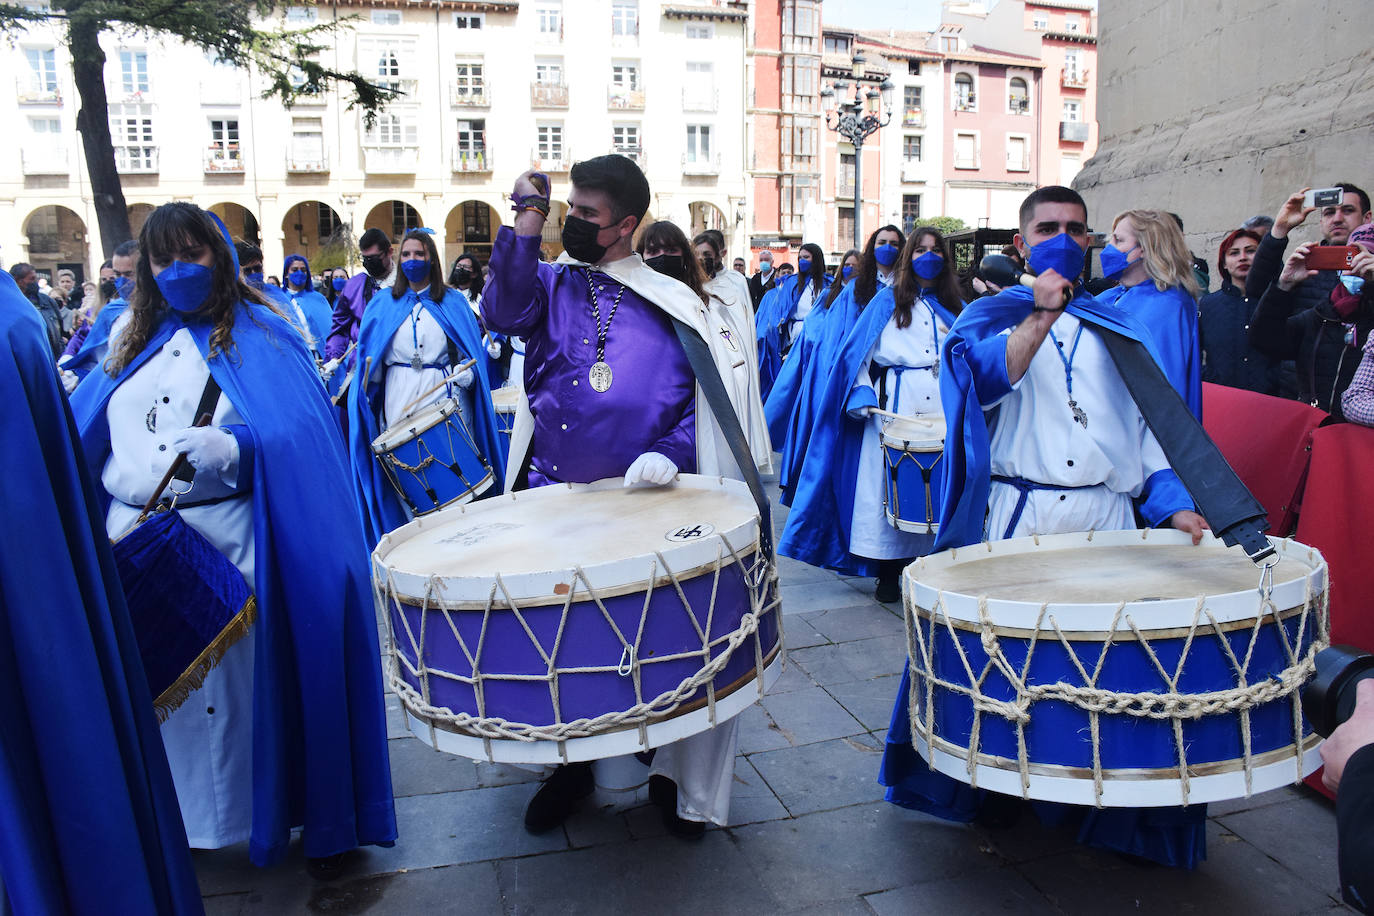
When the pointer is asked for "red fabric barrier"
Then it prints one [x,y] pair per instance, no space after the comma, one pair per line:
[1267,441]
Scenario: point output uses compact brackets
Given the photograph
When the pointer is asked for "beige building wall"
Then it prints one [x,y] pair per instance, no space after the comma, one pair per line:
[1218,109]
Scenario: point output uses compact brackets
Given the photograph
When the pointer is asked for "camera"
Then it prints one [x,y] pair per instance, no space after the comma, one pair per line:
[1329,698]
[1323,197]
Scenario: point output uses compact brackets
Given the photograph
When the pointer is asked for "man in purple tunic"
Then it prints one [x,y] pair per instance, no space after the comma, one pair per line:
[610,392]
[379,270]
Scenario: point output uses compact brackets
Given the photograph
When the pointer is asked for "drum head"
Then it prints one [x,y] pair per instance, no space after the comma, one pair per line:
[417,423]
[506,399]
[535,539]
[921,433]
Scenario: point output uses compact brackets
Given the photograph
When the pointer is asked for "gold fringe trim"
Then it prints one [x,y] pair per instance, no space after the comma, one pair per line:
[193,678]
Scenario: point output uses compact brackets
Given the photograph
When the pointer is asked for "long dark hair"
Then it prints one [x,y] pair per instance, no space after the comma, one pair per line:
[866,284]
[907,289]
[475,284]
[436,268]
[817,272]
[838,284]
[168,230]
[664,234]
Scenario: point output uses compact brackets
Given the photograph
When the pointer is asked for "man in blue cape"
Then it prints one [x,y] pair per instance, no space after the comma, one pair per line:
[89,821]
[1015,407]
[320,756]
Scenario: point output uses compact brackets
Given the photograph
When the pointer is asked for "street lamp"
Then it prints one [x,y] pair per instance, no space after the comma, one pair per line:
[855,120]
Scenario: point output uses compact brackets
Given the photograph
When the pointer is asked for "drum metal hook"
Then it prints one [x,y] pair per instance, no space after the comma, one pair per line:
[1266,582]
[627,662]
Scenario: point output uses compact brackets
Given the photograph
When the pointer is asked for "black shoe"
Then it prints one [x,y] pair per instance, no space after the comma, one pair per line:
[559,796]
[663,794]
[328,868]
[888,591]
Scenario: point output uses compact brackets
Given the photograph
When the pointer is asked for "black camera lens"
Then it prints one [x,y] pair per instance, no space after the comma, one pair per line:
[1329,698]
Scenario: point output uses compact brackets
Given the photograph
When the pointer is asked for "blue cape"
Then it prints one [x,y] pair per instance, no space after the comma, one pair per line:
[96,346]
[319,728]
[91,821]
[817,530]
[791,404]
[1170,317]
[381,505]
[976,340]
[319,314]
[778,305]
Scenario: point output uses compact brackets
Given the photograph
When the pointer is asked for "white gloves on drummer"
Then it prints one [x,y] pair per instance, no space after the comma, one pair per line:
[329,368]
[651,468]
[465,378]
[69,380]
[494,349]
[210,448]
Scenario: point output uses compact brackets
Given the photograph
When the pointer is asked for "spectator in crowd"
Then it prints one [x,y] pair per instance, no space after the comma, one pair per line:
[762,281]
[379,272]
[1337,222]
[1349,758]
[1224,322]
[1258,224]
[1201,272]
[785,270]
[27,279]
[1357,403]
[739,266]
[1326,336]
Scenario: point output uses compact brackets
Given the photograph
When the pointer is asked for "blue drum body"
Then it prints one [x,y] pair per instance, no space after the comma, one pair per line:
[913,458]
[432,459]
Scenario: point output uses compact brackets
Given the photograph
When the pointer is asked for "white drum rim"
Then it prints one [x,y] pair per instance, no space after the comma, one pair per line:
[415,425]
[552,586]
[892,437]
[1163,614]
[911,527]
[506,403]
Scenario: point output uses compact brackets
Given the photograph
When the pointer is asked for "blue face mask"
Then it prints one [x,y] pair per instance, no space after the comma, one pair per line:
[847,271]
[1114,260]
[928,265]
[416,271]
[1059,253]
[803,265]
[254,279]
[123,287]
[297,278]
[886,254]
[1353,284]
[338,284]
[185,286]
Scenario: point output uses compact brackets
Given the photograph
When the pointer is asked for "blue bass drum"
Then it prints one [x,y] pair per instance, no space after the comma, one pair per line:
[913,457]
[432,459]
[1116,669]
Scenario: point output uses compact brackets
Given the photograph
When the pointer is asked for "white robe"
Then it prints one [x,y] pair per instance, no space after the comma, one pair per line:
[731,319]
[914,391]
[409,391]
[1035,436]
[209,739]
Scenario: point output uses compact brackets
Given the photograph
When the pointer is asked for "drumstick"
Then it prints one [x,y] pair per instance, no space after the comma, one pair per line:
[405,411]
[202,420]
[348,379]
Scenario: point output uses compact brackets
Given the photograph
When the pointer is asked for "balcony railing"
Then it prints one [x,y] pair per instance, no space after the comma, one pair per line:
[618,98]
[136,160]
[635,153]
[913,170]
[471,160]
[553,160]
[45,242]
[225,90]
[694,99]
[965,103]
[303,163]
[1019,106]
[700,165]
[465,95]
[45,161]
[914,118]
[218,161]
[966,162]
[30,91]
[406,87]
[391,160]
[548,95]
[791,223]
[844,189]
[1073,131]
[1073,79]
[1018,164]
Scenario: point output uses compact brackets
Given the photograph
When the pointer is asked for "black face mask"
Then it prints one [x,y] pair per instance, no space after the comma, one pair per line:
[708,264]
[670,265]
[579,239]
[460,276]
[107,289]
[375,265]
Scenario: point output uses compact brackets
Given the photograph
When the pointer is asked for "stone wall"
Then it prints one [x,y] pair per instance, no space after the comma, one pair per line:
[1218,109]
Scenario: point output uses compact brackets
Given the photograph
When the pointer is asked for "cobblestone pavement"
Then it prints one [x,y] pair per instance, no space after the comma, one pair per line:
[809,831]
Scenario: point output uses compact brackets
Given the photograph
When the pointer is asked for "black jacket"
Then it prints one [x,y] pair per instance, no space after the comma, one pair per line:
[1268,264]
[51,314]
[757,287]
[1326,348]
[1227,357]
[1355,829]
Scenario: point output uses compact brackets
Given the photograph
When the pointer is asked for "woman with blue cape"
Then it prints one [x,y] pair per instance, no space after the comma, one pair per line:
[288,729]
[784,309]
[310,310]
[413,339]
[1149,258]
[889,361]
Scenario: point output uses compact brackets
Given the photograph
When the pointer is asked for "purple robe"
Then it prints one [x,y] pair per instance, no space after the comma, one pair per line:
[581,435]
[348,313]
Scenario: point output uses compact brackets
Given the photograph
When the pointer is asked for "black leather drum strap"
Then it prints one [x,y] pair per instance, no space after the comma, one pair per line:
[209,399]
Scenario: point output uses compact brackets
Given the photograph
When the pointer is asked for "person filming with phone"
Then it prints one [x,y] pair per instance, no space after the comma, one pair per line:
[1306,311]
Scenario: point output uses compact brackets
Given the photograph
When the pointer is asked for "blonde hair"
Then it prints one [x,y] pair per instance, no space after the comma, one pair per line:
[1168,262]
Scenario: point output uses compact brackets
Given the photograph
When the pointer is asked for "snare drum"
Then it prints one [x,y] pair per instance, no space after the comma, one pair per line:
[505,401]
[579,621]
[1117,669]
[913,454]
[432,459]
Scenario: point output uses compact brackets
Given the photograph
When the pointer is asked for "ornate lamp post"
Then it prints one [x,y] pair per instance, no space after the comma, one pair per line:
[855,120]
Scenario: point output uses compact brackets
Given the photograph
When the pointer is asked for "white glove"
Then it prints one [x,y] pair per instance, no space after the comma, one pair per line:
[329,368]
[494,349]
[69,380]
[651,468]
[860,413]
[465,378]
[208,447]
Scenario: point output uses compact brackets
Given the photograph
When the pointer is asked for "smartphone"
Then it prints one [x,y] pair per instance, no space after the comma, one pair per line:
[1331,257]
[1323,197]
